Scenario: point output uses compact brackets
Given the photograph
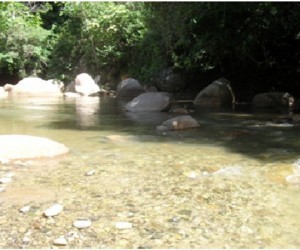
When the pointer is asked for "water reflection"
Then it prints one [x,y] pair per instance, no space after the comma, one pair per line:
[87,109]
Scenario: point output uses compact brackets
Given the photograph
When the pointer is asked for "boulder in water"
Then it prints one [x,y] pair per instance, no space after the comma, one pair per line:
[178,123]
[27,147]
[150,101]
[33,87]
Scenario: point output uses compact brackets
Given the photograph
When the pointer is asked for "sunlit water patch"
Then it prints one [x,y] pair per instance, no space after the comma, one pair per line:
[221,185]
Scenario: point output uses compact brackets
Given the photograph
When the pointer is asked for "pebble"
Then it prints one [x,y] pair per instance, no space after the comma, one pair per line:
[82,223]
[123,225]
[5,180]
[53,210]
[26,240]
[229,171]
[4,161]
[9,175]
[90,172]
[25,209]
[191,174]
[61,241]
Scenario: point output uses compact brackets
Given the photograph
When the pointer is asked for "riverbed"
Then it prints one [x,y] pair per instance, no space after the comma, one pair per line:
[221,185]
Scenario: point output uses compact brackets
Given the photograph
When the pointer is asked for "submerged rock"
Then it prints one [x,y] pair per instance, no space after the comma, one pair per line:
[26,146]
[53,210]
[61,241]
[150,101]
[123,225]
[82,223]
[293,179]
[178,123]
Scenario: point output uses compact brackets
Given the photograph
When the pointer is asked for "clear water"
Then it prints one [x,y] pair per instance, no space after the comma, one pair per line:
[167,185]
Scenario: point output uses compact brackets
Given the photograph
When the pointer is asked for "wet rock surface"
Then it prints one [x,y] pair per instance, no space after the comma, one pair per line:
[26,146]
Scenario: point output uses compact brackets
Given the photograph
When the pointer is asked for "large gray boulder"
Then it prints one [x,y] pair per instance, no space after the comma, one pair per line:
[273,100]
[28,147]
[169,81]
[150,101]
[33,87]
[129,88]
[178,123]
[85,85]
[217,94]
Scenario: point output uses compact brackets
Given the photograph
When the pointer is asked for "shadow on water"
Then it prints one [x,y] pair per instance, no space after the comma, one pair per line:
[257,135]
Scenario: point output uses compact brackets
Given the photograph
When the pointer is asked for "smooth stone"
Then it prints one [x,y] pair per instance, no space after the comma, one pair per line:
[191,174]
[61,241]
[9,175]
[123,225]
[293,179]
[53,210]
[82,223]
[25,209]
[90,172]
[5,180]
[16,146]
[26,240]
[4,161]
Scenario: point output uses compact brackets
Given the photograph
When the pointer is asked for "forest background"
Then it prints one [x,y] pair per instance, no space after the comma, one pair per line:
[255,45]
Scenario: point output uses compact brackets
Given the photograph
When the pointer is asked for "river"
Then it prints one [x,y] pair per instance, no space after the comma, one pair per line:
[221,185]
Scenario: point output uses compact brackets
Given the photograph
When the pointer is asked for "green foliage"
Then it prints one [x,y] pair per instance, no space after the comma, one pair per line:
[97,36]
[254,44]
[245,42]
[25,46]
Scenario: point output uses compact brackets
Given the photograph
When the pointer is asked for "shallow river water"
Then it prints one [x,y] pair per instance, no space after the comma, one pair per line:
[221,185]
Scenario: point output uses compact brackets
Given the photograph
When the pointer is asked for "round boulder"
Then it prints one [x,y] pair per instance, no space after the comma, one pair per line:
[129,88]
[273,100]
[85,85]
[150,101]
[217,94]
[28,147]
[178,123]
[170,81]
[33,86]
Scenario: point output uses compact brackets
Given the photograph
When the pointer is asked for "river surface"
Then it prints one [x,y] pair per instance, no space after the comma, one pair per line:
[221,185]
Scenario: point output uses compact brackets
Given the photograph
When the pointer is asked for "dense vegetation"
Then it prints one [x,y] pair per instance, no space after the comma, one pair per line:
[256,45]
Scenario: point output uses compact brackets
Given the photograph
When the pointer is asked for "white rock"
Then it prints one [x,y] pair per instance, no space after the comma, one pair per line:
[293,179]
[25,209]
[90,172]
[61,241]
[26,240]
[229,171]
[191,174]
[9,175]
[53,210]
[5,180]
[123,225]
[2,189]
[4,161]
[82,223]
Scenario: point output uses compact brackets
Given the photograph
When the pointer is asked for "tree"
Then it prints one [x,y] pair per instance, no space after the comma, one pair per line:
[25,46]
